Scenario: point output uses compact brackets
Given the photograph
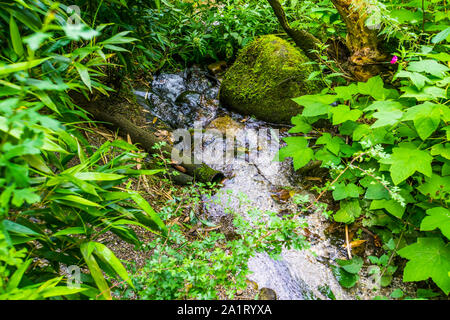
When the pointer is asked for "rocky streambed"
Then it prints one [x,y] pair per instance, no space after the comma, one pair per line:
[190,98]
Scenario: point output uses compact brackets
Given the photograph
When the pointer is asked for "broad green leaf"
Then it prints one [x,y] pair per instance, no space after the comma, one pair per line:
[441,36]
[332,143]
[438,217]
[427,93]
[327,157]
[297,148]
[417,79]
[374,189]
[426,118]
[429,258]
[349,211]
[25,195]
[315,105]
[436,187]
[385,106]
[391,206]
[345,279]
[428,66]
[347,92]
[441,149]
[343,113]
[343,191]
[386,118]
[374,87]
[301,126]
[353,265]
[406,161]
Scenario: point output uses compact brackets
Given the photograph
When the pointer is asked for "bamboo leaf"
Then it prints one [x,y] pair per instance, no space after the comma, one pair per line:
[15,37]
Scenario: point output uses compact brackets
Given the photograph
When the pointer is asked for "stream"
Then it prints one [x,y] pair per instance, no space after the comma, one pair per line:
[189,98]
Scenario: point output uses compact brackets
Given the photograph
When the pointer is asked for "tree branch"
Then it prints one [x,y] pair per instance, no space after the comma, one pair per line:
[302,39]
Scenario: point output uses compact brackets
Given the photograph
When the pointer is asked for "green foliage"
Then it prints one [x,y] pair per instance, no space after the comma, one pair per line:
[58,194]
[406,22]
[429,258]
[176,33]
[198,267]
[388,158]
[347,271]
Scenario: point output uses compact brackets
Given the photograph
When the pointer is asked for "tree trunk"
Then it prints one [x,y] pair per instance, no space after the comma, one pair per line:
[362,42]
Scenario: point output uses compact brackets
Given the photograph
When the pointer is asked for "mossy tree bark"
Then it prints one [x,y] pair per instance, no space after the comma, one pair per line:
[362,42]
[304,40]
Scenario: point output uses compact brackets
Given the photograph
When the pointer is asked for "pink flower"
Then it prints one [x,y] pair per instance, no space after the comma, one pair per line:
[394,60]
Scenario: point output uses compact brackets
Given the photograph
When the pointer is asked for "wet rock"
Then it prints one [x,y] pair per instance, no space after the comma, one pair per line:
[267,294]
[191,99]
[268,73]
[313,169]
[227,227]
[224,124]
[199,80]
[182,99]
[175,115]
[169,86]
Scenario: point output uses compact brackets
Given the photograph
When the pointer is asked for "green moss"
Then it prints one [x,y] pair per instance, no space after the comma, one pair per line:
[268,73]
[203,173]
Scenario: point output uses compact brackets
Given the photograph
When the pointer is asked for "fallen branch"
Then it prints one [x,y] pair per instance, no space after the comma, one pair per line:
[193,170]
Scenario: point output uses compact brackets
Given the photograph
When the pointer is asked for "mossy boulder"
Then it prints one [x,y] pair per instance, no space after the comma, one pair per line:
[267,74]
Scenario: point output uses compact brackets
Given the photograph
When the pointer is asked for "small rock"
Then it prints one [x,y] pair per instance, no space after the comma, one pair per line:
[217,67]
[224,124]
[267,294]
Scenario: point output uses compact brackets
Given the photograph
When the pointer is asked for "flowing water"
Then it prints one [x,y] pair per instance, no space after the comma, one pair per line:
[191,97]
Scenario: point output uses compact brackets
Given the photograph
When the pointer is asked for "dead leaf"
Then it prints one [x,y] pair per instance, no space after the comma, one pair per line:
[180,168]
[354,243]
[282,195]
[313,178]
[377,241]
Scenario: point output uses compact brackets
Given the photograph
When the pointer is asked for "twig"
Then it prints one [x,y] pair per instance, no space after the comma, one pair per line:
[349,249]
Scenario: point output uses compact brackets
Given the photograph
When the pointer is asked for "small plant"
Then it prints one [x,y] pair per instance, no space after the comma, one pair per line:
[184,267]
[388,158]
